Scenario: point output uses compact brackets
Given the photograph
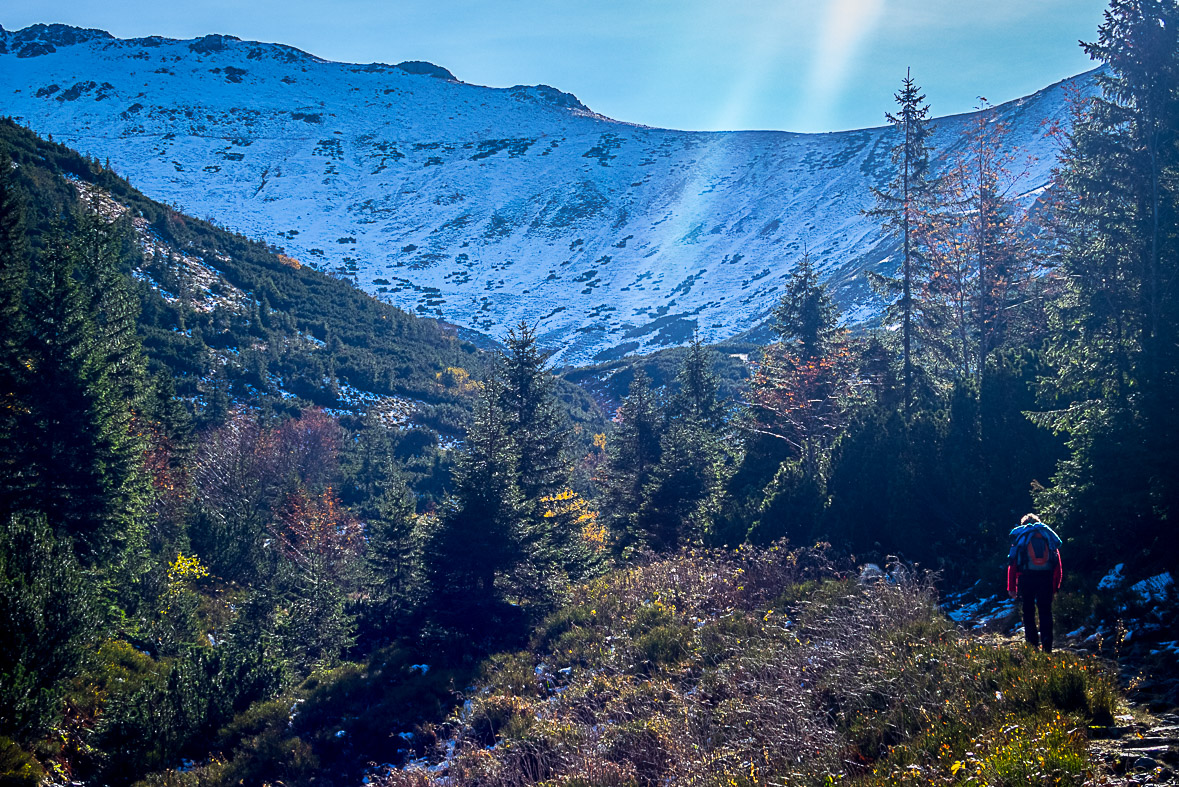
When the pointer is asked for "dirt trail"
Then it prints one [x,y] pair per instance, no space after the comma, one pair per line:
[1141,749]
[1143,746]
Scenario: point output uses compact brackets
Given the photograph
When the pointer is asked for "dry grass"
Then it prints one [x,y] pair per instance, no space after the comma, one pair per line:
[759,668]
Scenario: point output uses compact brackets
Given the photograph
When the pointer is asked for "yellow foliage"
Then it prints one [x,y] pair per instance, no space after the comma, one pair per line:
[185,569]
[458,378]
[572,507]
[181,573]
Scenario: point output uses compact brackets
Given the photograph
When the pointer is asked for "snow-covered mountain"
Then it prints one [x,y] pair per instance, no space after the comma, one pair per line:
[479,205]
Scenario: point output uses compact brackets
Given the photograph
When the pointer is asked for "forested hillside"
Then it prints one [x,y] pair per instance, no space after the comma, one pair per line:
[219,309]
[219,566]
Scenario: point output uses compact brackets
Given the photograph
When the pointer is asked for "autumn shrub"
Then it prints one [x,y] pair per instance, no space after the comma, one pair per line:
[649,616]
[1008,716]
[664,645]
[723,639]
[601,773]
[1014,752]
[491,714]
[561,622]
[1063,682]
[1049,753]
[580,645]
[646,744]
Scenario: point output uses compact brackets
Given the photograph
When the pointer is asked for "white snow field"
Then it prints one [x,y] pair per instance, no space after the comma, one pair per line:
[483,206]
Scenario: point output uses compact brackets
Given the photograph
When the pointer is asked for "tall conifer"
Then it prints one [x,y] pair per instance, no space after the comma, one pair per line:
[378,494]
[634,452]
[1115,339]
[534,417]
[698,397]
[470,554]
[680,498]
[14,370]
[86,462]
[49,621]
[904,206]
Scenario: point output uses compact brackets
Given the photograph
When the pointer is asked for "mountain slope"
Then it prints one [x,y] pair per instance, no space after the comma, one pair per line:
[221,310]
[483,206]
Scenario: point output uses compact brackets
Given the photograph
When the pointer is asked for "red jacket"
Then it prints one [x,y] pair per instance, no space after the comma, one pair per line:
[1013,576]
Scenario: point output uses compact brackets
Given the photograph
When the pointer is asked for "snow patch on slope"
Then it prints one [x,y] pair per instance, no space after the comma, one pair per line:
[478,205]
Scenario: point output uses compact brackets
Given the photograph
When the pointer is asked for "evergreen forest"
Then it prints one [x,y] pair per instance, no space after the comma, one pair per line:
[257,527]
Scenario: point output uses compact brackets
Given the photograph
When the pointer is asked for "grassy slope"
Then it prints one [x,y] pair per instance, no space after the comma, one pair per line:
[768,668]
[747,668]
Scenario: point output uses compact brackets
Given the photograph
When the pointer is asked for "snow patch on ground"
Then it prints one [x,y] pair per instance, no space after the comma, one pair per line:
[1155,589]
[1114,579]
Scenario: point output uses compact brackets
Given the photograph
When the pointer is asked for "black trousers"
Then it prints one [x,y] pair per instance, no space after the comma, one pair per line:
[1036,589]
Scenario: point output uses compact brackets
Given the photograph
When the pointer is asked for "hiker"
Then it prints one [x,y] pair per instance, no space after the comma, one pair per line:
[1034,572]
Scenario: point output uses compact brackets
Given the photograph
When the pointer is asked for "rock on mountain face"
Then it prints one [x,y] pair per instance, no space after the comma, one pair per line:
[482,206]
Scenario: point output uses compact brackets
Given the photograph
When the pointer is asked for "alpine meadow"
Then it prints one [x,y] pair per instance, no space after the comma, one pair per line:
[364,426]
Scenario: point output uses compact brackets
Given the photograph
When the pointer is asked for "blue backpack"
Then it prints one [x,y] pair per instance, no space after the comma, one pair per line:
[1033,547]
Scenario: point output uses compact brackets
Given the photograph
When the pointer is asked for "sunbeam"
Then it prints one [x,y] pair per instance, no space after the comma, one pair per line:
[762,61]
[845,27]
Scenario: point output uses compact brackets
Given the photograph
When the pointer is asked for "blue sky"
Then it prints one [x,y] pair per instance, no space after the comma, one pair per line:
[796,65]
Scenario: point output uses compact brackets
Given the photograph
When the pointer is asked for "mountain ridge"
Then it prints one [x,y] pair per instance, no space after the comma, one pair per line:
[43,39]
[488,206]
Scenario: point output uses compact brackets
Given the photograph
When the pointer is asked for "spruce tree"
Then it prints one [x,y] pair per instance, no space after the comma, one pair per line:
[86,459]
[368,466]
[14,363]
[378,494]
[697,398]
[681,491]
[534,417]
[904,206]
[1115,337]
[49,621]
[806,315]
[680,497]
[1129,142]
[471,552]
[634,451]
[170,450]
[217,404]
[791,507]
[392,552]
[539,431]
[104,251]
